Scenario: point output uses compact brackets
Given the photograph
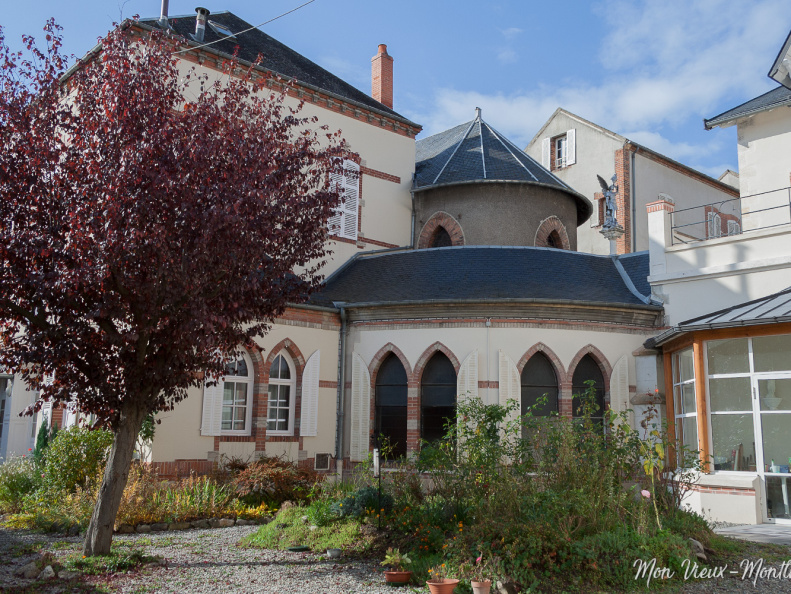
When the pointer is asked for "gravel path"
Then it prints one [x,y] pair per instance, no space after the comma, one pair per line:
[202,562]
[210,562]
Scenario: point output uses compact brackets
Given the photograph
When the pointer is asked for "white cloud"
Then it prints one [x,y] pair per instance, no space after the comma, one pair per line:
[668,63]
[507,56]
[511,32]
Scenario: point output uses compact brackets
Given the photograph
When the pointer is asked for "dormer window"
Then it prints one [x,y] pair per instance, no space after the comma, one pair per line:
[221,29]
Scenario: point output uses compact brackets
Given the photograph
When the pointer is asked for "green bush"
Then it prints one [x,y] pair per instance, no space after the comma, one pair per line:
[364,502]
[74,457]
[19,478]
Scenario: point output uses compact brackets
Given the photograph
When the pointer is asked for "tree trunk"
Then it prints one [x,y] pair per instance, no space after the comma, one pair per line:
[100,530]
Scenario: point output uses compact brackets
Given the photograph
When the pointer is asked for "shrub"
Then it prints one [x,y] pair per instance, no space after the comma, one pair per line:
[273,481]
[75,456]
[364,502]
[19,477]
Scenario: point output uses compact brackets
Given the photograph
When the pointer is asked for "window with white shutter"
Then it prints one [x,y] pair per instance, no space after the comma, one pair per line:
[308,425]
[282,396]
[361,409]
[344,222]
[228,404]
[571,147]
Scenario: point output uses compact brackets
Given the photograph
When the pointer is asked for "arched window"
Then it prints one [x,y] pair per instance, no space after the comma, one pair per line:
[587,369]
[437,397]
[554,241]
[282,394]
[539,381]
[391,404]
[237,395]
[441,238]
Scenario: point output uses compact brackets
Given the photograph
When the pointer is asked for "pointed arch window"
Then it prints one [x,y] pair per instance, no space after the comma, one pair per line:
[441,238]
[237,394]
[437,397]
[391,405]
[587,369]
[539,382]
[282,396]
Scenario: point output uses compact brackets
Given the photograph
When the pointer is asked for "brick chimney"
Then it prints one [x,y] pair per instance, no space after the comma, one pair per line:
[382,77]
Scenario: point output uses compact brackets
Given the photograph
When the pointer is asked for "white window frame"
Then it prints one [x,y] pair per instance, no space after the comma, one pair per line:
[678,402]
[561,151]
[248,382]
[291,382]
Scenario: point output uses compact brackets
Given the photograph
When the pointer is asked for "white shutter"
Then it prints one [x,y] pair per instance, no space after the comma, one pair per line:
[308,426]
[361,409]
[545,153]
[510,384]
[619,386]
[467,381]
[336,219]
[571,147]
[351,179]
[211,421]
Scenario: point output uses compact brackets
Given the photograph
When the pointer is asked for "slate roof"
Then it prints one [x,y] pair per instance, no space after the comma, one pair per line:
[638,268]
[476,152]
[772,309]
[480,273]
[774,98]
[277,57]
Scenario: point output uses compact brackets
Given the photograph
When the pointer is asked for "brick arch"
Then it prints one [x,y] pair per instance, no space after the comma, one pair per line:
[296,356]
[262,392]
[601,361]
[540,347]
[548,226]
[437,220]
[381,355]
[427,354]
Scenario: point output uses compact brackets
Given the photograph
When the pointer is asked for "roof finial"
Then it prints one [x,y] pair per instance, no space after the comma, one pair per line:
[477,113]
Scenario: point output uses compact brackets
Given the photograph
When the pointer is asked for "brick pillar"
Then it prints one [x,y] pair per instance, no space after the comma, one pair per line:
[623,199]
[564,399]
[413,419]
[382,77]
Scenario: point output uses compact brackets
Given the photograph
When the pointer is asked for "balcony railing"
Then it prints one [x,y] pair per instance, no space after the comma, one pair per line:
[732,217]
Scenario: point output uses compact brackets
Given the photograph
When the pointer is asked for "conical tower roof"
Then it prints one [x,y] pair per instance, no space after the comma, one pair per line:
[475,152]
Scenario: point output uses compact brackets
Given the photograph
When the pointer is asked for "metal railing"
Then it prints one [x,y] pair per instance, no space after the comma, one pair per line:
[731,217]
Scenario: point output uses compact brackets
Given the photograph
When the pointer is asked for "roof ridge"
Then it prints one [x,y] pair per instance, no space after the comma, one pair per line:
[463,138]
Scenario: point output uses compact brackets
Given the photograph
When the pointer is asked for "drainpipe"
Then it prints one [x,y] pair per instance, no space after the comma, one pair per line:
[412,229]
[632,192]
[341,393]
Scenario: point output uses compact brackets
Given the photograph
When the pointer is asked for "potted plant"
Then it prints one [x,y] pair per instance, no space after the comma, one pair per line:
[438,583]
[398,574]
[479,580]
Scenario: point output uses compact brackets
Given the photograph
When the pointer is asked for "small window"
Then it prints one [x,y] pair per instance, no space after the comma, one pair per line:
[561,147]
[221,29]
[714,225]
[282,393]
[441,238]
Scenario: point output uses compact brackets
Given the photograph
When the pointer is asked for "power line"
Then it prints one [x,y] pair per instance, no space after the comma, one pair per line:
[189,49]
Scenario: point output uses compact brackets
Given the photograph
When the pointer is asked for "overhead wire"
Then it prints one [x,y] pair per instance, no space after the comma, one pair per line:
[189,49]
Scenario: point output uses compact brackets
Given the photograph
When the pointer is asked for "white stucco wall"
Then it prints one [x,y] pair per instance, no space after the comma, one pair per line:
[386,205]
[178,436]
[764,153]
[707,276]
[594,156]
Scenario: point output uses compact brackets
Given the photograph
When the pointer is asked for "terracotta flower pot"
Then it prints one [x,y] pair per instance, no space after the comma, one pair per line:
[481,587]
[398,577]
[446,586]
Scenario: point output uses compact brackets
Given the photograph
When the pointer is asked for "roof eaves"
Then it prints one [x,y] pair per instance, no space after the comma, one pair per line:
[581,120]
[721,119]
[514,300]
[198,46]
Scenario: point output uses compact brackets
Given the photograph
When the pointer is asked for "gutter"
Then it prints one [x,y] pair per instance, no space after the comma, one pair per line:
[506,301]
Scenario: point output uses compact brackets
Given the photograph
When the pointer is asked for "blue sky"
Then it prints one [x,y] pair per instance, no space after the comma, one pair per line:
[650,70]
